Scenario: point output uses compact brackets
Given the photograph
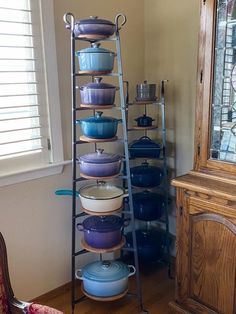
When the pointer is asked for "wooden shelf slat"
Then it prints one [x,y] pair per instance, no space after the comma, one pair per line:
[97,140]
[108,299]
[90,212]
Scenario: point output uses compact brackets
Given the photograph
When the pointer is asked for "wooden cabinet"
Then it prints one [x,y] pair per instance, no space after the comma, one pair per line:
[206,197]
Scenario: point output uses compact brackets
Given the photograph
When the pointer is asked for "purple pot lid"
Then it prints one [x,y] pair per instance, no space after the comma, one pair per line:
[105,271]
[97,85]
[100,157]
[98,118]
[103,223]
[94,49]
[94,20]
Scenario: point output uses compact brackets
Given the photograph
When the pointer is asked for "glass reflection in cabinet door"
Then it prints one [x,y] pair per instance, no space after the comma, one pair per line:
[223,120]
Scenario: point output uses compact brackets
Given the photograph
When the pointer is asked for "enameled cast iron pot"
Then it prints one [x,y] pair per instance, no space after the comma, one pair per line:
[144,121]
[99,198]
[144,147]
[102,232]
[97,93]
[99,127]
[96,59]
[94,26]
[105,278]
[148,206]
[100,164]
[146,175]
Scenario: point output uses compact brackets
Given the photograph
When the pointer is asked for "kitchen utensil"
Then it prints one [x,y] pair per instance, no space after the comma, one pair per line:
[144,147]
[146,92]
[144,121]
[146,175]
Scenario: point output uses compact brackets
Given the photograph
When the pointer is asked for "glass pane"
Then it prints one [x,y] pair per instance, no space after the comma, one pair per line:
[223,121]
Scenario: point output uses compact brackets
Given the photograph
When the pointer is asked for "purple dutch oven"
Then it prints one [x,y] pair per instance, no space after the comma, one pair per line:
[97,93]
[102,232]
[100,164]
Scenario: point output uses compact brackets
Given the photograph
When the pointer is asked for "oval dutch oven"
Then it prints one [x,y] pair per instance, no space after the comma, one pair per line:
[99,127]
[100,164]
[146,175]
[94,26]
[97,93]
[105,278]
[144,147]
[96,59]
[102,232]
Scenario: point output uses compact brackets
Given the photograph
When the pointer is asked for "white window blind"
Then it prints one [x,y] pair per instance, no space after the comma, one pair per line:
[23,123]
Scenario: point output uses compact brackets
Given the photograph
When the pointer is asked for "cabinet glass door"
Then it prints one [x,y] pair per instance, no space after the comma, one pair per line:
[223,119]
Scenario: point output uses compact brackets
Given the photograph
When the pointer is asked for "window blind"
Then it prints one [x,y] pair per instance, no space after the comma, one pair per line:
[20,80]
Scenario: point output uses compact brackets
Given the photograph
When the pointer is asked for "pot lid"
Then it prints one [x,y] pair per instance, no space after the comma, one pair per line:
[147,195]
[100,157]
[94,20]
[103,223]
[94,49]
[145,117]
[101,191]
[98,118]
[105,271]
[145,168]
[97,85]
[144,142]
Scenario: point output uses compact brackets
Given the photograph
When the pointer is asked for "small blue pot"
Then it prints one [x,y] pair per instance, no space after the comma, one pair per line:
[99,127]
[96,59]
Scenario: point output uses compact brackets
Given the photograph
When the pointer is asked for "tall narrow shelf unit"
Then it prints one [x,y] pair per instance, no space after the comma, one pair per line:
[160,104]
[76,142]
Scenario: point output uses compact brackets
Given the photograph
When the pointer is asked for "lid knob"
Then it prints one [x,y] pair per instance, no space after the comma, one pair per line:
[145,82]
[106,264]
[98,114]
[97,80]
[99,151]
[145,163]
[95,45]
[93,17]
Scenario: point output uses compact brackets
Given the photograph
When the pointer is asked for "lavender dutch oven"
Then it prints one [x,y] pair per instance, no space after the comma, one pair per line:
[98,93]
[100,164]
[102,232]
[94,26]
[105,278]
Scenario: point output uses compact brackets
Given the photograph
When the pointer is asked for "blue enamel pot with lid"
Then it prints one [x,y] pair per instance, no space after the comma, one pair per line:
[95,59]
[94,26]
[98,126]
[98,93]
[146,175]
[100,164]
[102,232]
[105,278]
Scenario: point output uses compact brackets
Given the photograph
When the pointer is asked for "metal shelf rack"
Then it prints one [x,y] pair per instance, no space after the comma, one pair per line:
[70,23]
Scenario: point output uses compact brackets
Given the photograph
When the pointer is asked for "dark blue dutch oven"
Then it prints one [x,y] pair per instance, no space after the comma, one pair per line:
[144,148]
[146,175]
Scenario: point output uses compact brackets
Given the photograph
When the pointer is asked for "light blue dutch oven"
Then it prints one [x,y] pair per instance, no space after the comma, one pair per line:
[96,59]
[105,278]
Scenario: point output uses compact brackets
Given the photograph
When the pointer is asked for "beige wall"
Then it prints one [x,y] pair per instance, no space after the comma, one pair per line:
[171,30]
[37,225]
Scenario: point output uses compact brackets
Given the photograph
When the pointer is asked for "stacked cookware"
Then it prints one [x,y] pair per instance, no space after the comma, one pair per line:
[148,177]
[101,217]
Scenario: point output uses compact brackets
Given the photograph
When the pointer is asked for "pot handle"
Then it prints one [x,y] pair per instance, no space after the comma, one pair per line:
[126,222]
[119,120]
[125,195]
[78,274]
[132,270]
[117,21]
[80,226]
[69,20]
[145,138]
[78,122]
[66,192]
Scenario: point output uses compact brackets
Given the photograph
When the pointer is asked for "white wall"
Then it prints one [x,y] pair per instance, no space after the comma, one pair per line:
[36,224]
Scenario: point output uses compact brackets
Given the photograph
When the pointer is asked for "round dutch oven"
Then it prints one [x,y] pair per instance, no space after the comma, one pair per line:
[150,244]
[94,26]
[99,127]
[144,121]
[148,206]
[97,93]
[146,92]
[146,175]
[99,198]
[102,232]
[96,59]
[105,278]
[100,164]
[144,147]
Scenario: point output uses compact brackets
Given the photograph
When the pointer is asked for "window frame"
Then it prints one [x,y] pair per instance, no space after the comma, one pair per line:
[56,162]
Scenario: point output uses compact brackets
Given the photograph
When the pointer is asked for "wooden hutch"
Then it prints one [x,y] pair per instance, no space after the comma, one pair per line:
[206,197]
